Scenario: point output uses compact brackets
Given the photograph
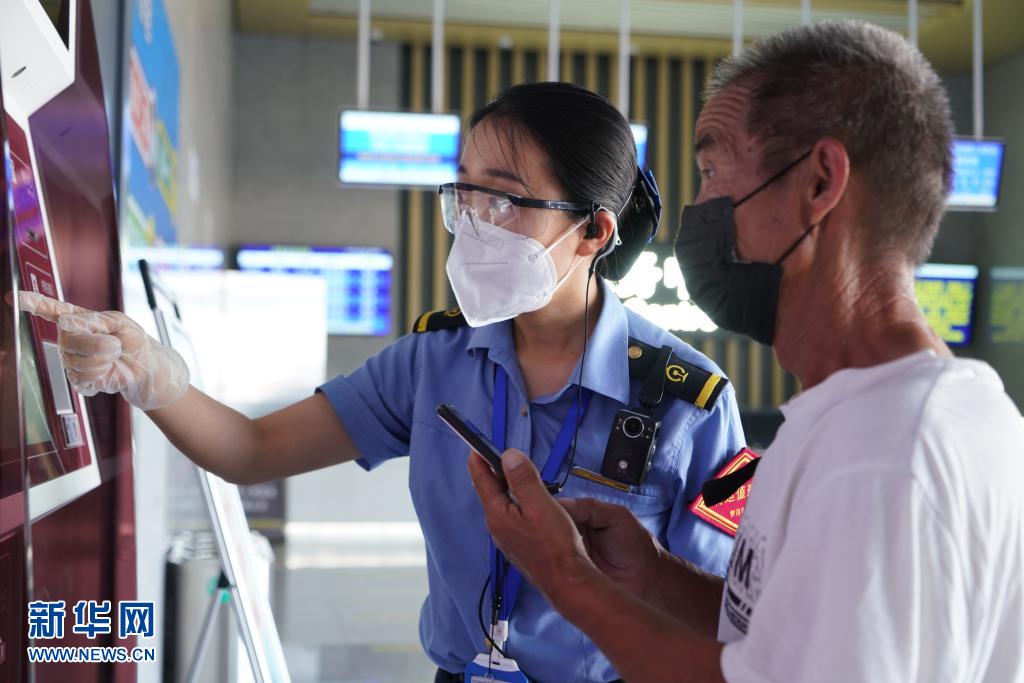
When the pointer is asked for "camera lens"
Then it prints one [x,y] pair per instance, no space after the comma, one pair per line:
[632,427]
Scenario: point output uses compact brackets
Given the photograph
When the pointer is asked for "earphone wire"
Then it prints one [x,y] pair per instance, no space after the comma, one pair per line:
[572,457]
[480,618]
[579,378]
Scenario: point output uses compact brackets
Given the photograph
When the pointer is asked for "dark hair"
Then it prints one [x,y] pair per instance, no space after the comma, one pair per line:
[874,92]
[590,147]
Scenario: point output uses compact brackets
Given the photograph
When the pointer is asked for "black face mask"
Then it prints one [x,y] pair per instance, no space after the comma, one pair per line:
[739,296]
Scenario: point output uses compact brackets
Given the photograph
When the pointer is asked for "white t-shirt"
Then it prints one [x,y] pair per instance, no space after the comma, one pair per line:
[883,539]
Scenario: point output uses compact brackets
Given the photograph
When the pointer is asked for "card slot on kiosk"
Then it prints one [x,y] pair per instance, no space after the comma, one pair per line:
[63,406]
[58,380]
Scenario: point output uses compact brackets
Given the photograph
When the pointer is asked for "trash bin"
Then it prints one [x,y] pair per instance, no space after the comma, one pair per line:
[193,568]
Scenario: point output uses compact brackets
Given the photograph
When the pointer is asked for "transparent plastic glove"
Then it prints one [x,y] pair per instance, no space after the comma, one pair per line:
[108,352]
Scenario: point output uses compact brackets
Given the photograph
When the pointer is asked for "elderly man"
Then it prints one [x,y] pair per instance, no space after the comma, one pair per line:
[883,539]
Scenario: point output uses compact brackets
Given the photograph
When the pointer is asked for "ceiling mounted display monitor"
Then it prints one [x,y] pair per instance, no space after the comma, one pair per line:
[358,281]
[174,257]
[1007,310]
[945,293]
[977,172]
[397,149]
[640,136]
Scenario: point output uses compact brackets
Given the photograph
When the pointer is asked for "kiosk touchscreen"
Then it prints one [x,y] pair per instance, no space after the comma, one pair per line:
[75,537]
[61,458]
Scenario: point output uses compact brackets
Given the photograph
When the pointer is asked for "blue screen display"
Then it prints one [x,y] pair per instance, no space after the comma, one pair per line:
[358,281]
[977,167]
[1007,322]
[174,257]
[945,294]
[640,136]
[400,149]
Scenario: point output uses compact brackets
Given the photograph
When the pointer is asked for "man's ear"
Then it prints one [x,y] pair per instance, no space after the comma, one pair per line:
[830,168]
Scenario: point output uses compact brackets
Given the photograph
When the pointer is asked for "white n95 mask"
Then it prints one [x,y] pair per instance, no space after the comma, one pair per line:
[497,274]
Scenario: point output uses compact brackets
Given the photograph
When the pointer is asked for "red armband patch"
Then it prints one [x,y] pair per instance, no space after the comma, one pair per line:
[726,515]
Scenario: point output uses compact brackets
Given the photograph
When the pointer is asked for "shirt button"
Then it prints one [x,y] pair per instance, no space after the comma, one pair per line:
[524,411]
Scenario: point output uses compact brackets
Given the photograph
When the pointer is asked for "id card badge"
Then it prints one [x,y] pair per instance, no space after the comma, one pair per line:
[490,667]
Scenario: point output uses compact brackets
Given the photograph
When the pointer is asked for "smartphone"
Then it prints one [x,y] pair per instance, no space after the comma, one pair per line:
[476,440]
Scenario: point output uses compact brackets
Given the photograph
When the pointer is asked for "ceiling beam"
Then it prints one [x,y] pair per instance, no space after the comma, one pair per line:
[944,32]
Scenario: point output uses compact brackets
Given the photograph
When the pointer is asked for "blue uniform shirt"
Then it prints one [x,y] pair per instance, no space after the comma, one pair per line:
[388,408]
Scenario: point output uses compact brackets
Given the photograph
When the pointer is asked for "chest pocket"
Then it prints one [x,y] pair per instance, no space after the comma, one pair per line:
[648,502]
[662,375]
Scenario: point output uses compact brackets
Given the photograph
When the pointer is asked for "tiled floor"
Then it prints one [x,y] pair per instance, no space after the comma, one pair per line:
[344,620]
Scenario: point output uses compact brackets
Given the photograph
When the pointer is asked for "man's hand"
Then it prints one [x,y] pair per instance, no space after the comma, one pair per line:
[557,540]
[534,531]
[539,535]
[618,544]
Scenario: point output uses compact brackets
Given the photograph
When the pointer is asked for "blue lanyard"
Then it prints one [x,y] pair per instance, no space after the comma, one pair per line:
[512,579]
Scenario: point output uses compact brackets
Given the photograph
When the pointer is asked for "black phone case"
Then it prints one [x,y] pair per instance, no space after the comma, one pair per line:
[473,437]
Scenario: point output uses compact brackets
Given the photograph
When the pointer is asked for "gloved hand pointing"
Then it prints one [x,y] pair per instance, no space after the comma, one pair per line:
[108,352]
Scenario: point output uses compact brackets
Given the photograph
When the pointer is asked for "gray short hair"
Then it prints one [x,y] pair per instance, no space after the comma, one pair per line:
[874,92]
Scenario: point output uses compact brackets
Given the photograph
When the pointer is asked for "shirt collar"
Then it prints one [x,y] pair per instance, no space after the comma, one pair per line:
[606,368]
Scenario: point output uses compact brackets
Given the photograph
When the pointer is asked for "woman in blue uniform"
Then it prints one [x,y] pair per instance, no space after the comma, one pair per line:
[540,355]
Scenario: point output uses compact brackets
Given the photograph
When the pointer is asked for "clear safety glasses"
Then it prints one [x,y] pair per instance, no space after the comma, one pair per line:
[521,215]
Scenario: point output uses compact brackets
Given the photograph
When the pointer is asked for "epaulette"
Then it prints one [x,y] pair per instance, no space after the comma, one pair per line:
[443,319]
[683,380]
